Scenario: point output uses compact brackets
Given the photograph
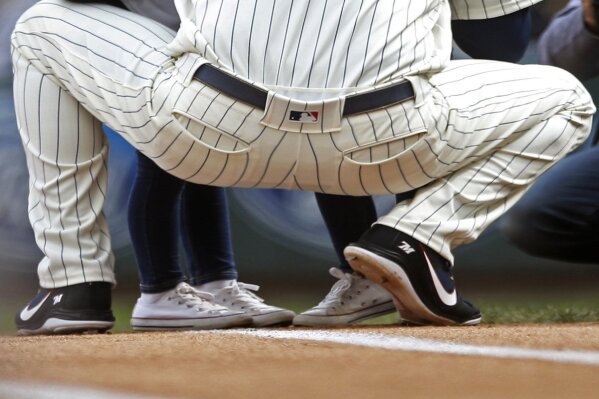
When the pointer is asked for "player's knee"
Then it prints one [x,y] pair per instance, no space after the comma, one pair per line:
[41,19]
[577,104]
[26,28]
[558,78]
[581,99]
[32,15]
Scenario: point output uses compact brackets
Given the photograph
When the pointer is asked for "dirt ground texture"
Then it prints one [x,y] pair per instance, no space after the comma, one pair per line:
[187,365]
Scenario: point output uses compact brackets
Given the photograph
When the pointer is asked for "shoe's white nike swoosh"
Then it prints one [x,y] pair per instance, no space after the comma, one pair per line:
[27,313]
[449,299]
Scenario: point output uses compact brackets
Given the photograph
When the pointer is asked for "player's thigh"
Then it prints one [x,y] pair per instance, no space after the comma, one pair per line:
[106,58]
[492,103]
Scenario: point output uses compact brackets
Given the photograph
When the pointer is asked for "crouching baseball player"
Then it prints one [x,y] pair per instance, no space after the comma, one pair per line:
[341,97]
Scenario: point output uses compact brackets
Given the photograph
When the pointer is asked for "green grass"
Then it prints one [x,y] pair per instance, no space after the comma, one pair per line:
[7,313]
[505,309]
[122,306]
[554,311]
[526,313]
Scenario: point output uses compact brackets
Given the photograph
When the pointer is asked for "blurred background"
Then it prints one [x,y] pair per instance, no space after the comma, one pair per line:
[279,238]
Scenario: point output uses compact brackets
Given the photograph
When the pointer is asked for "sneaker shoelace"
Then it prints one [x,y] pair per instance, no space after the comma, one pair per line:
[338,289]
[241,294]
[186,295]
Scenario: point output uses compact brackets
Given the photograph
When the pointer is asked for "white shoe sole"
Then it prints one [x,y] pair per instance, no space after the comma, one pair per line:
[59,326]
[344,319]
[146,323]
[275,318]
[393,278]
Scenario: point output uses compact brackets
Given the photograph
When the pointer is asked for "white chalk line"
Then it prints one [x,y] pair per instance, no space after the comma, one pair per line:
[28,390]
[402,343]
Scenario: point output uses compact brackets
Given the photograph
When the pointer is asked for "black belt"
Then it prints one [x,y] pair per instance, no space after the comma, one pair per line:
[233,87]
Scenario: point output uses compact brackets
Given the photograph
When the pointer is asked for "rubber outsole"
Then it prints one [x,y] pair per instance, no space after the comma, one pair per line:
[57,326]
[346,319]
[148,324]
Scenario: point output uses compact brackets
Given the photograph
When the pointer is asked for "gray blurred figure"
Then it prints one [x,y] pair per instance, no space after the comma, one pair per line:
[571,41]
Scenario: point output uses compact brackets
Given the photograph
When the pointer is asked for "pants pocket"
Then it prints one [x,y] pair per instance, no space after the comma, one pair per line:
[382,151]
[211,136]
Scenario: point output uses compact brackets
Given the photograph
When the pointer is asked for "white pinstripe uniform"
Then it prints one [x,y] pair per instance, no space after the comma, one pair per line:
[477,134]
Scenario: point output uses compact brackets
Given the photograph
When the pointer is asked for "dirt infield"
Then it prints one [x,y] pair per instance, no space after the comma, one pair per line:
[214,365]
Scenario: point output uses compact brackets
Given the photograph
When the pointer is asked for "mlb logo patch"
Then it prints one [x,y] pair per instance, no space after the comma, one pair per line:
[303,116]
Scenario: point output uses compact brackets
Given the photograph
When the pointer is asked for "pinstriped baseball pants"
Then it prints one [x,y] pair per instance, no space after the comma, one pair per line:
[476,136]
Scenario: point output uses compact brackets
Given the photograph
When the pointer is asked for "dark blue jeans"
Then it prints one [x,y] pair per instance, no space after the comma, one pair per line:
[503,39]
[164,209]
[558,218]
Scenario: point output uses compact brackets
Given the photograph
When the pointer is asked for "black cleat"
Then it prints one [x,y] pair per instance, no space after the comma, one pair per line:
[418,278]
[74,309]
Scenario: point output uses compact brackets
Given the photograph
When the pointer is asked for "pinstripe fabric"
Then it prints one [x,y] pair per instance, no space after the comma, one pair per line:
[483,9]
[476,135]
[67,180]
[351,44]
[66,149]
[505,124]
